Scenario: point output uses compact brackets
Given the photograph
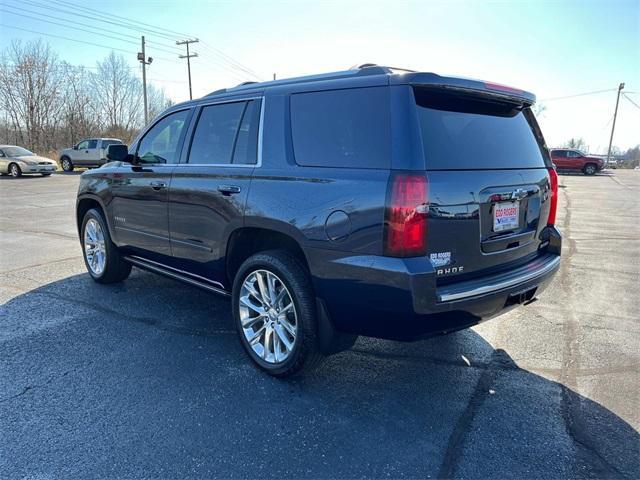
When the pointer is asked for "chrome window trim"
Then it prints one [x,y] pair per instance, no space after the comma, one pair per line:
[153,123]
[258,163]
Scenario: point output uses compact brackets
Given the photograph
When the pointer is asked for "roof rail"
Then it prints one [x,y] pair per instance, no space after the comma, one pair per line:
[360,70]
[216,92]
[386,67]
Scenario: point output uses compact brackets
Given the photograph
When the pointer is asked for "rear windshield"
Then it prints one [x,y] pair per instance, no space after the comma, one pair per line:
[466,132]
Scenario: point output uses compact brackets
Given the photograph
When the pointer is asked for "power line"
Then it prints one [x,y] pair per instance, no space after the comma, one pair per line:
[578,95]
[233,68]
[607,124]
[634,103]
[67,38]
[165,80]
[231,60]
[129,25]
[125,36]
[147,28]
[112,15]
[75,28]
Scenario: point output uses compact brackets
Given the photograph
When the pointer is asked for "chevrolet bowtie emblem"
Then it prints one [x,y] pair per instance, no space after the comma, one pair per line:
[518,194]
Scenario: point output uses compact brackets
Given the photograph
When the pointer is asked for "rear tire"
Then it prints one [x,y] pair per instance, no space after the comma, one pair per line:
[101,256]
[285,334]
[14,170]
[590,169]
[66,164]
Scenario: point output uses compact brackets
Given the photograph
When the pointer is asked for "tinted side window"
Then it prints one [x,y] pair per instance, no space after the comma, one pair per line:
[246,148]
[342,128]
[162,143]
[93,144]
[216,132]
[84,144]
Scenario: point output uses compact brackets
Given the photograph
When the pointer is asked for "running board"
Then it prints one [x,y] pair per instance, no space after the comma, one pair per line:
[176,274]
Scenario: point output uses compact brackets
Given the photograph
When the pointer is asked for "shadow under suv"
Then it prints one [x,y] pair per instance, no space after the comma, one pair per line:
[363,202]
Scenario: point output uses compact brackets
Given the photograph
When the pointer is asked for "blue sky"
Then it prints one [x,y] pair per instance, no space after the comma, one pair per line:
[553,49]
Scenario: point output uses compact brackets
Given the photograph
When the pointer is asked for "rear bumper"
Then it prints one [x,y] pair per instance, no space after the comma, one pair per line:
[399,298]
[533,271]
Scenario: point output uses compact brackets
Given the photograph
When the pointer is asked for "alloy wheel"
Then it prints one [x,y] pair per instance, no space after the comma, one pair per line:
[268,316]
[15,171]
[94,248]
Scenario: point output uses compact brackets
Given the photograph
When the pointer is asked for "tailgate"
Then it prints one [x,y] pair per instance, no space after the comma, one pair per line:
[464,235]
[489,186]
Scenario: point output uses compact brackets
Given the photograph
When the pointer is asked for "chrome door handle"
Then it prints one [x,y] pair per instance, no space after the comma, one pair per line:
[229,189]
[158,185]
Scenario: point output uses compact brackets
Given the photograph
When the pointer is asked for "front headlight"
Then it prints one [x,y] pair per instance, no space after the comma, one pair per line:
[30,162]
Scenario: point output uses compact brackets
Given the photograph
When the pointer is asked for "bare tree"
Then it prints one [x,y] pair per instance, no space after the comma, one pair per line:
[577,143]
[120,94]
[80,113]
[30,92]
[539,109]
[157,100]
[46,104]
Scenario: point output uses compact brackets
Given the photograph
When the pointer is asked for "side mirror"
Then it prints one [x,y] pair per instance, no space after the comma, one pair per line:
[118,153]
[75,147]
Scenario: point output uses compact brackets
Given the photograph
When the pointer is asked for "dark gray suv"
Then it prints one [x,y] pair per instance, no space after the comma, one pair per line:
[365,202]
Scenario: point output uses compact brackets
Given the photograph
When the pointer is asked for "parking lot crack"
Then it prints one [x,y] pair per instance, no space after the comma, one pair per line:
[30,388]
[587,453]
[499,360]
[149,321]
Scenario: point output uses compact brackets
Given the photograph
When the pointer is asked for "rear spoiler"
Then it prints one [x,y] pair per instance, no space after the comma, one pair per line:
[465,85]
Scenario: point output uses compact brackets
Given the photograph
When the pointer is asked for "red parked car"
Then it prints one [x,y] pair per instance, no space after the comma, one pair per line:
[569,159]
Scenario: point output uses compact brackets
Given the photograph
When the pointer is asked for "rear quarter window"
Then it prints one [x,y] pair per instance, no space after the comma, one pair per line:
[466,133]
[342,128]
[106,143]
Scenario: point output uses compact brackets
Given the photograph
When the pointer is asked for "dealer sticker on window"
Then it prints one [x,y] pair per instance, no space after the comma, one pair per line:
[506,216]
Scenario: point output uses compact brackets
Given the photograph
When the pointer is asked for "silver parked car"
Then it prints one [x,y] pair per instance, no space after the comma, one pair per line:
[17,160]
[91,152]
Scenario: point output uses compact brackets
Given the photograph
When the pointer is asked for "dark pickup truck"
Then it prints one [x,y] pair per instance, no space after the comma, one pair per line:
[372,201]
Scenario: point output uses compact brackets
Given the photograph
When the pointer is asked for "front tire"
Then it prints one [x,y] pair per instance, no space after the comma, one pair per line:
[274,310]
[14,170]
[66,164]
[101,256]
[590,169]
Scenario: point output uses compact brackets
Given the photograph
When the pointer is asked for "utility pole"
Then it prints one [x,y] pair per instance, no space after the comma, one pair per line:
[188,56]
[613,127]
[142,58]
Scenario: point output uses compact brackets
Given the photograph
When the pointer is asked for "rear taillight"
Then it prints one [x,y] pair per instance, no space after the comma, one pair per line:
[405,231]
[553,206]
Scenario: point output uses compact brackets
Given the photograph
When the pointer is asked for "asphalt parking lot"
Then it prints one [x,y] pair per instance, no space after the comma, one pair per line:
[147,378]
